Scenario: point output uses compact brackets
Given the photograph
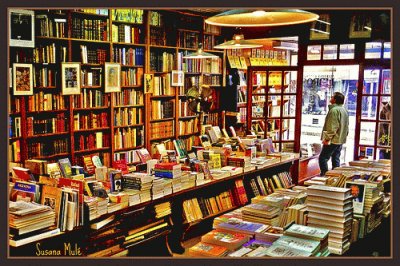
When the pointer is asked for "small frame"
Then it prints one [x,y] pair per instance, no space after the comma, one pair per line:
[177,78]
[113,77]
[71,78]
[360,26]
[148,83]
[321,28]
[22,79]
[21,28]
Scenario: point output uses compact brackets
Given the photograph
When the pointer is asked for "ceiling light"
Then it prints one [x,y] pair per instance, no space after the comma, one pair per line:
[257,18]
[238,42]
[199,54]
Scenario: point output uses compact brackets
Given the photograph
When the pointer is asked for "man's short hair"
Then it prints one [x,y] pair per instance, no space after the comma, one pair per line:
[339,97]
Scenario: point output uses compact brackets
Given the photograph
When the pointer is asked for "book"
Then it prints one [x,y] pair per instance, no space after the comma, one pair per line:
[102,223]
[34,238]
[23,174]
[231,241]
[25,191]
[65,167]
[51,196]
[357,190]
[207,250]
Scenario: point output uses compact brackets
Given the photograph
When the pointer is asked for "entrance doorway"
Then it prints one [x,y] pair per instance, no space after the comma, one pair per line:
[319,84]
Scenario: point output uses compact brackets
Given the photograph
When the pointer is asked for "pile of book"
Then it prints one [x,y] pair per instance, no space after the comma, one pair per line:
[261,213]
[29,222]
[163,209]
[331,208]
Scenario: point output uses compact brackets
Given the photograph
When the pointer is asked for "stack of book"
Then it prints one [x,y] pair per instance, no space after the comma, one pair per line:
[261,213]
[236,225]
[167,170]
[231,241]
[162,209]
[157,189]
[270,234]
[331,208]
[207,250]
[311,233]
[139,181]
[28,220]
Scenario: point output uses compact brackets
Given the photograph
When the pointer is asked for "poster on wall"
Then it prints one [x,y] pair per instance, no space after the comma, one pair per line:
[21,28]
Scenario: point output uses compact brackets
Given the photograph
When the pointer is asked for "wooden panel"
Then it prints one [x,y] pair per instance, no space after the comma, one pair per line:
[308,168]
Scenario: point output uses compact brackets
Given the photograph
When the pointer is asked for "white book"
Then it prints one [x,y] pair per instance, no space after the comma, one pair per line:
[20,242]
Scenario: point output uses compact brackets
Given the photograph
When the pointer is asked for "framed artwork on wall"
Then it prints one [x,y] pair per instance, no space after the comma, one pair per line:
[22,79]
[360,26]
[21,28]
[113,77]
[70,78]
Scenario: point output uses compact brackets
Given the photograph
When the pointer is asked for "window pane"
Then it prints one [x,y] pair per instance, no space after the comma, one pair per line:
[288,129]
[273,129]
[371,80]
[275,81]
[368,107]
[290,82]
[385,110]
[383,153]
[386,79]
[314,52]
[386,50]
[366,152]
[384,136]
[274,106]
[330,52]
[288,146]
[367,133]
[373,50]
[346,51]
[289,106]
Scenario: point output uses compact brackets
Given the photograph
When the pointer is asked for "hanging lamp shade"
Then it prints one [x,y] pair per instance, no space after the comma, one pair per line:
[238,42]
[199,54]
[257,18]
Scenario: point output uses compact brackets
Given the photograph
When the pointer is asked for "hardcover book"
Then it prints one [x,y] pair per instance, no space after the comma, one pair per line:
[65,167]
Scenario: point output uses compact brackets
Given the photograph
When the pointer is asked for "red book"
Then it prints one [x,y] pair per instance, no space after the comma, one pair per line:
[120,165]
[167,166]
[23,174]
[72,183]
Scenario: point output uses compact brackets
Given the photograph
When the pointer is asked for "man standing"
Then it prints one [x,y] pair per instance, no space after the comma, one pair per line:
[334,133]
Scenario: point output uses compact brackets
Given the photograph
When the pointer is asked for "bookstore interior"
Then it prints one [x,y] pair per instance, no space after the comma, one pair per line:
[190,133]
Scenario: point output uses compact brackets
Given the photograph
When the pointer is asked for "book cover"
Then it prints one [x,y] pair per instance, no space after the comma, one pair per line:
[357,190]
[121,165]
[88,163]
[51,196]
[207,250]
[65,167]
[23,174]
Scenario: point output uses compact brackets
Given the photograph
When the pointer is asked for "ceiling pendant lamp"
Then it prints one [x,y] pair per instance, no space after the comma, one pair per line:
[238,42]
[258,18]
[199,54]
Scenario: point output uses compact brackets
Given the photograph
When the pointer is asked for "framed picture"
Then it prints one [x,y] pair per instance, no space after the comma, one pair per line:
[177,78]
[321,28]
[70,78]
[22,79]
[360,26]
[21,28]
[113,77]
[148,83]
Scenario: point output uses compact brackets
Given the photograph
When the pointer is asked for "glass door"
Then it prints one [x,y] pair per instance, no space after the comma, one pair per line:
[319,84]
[272,105]
[376,115]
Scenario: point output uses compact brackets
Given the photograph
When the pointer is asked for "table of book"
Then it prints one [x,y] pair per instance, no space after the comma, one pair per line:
[161,242]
